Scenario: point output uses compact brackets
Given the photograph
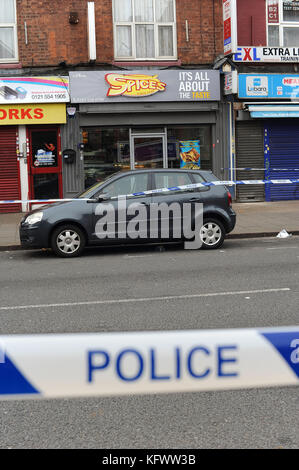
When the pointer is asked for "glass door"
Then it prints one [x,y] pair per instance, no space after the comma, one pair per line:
[45,168]
[148,151]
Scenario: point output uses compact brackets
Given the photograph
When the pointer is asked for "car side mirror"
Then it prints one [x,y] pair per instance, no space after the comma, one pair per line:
[103,197]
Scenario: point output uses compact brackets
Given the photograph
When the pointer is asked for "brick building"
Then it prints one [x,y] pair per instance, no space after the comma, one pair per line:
[46,44]
[57,32]
[267,126]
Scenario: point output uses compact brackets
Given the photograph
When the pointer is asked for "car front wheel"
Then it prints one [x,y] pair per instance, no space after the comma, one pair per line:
[212,234]
[68,241]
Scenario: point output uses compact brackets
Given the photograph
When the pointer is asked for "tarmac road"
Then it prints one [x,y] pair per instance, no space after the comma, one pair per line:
[162,282]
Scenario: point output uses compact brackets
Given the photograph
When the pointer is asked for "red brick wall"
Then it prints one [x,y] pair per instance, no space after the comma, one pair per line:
[251,22]
[205,30]
[52,39]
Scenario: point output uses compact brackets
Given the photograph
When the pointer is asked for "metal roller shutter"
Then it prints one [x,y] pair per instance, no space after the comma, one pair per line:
[9,169]
[282,151]
[250,154]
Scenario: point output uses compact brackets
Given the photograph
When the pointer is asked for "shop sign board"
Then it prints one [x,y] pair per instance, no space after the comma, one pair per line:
[269,86]
[266,54]
[15,90]
[33,114]
[152,85]
[273,11]
[229,26]
[231,82]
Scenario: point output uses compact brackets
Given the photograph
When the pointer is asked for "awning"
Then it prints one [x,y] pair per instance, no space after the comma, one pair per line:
[274,111]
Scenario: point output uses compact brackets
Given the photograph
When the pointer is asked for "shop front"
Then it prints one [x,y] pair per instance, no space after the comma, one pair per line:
[107,150]
[268,135]
[32,110]
[157,119]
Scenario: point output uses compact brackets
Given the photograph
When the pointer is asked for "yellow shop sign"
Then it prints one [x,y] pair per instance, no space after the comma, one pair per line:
[33,114]
[133,85]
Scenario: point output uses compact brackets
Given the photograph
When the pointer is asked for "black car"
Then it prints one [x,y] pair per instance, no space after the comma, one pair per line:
[68,226]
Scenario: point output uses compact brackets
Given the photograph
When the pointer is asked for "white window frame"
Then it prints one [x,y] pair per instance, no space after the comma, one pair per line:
[15,37]
[133,35]
[281,24]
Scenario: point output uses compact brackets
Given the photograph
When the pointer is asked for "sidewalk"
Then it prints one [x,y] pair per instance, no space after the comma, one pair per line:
[253,219]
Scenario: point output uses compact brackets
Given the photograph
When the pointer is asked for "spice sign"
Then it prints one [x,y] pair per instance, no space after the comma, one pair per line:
[133,85]
[195,85]
[156,85]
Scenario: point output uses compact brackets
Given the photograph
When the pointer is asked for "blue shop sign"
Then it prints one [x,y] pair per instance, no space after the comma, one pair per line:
[268,86]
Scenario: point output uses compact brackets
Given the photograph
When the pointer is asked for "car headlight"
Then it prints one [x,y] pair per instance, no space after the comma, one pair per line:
[34,218]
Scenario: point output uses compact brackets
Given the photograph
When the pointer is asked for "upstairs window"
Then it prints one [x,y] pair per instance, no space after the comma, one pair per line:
[283,23]
[144,29]
[8,31]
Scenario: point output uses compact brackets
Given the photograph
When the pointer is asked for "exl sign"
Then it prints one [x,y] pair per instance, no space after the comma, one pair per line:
[266,54]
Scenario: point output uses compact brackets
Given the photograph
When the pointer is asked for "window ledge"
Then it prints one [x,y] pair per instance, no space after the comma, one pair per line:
[145,63]
[11,65]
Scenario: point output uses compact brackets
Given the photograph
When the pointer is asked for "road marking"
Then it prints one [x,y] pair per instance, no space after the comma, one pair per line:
[137,256]
[144,299]
[283,248]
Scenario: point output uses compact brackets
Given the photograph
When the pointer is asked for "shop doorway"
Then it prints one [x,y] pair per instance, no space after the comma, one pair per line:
[45,167]
[148,150]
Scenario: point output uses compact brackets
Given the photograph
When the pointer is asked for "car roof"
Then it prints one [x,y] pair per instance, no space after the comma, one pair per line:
[155,170]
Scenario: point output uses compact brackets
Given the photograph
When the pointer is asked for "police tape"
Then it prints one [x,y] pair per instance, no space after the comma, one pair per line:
[108,364]
[160,190]
[262,169]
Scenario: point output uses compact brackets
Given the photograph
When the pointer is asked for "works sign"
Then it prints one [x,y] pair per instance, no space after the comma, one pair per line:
[29,114]
[266,54]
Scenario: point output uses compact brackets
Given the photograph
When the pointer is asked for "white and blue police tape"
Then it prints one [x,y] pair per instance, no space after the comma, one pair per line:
[82,365]
[262,169]
[162,190]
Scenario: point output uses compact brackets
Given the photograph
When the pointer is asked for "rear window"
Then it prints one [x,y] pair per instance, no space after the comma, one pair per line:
[171,179]
[197,178]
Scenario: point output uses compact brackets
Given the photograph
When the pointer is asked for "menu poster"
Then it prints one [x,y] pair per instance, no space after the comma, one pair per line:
[190,154]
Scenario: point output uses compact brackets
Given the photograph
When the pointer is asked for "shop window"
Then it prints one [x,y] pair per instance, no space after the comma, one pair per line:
[200,136]
[106,150]
[283,23]
[8,31]
[144,29]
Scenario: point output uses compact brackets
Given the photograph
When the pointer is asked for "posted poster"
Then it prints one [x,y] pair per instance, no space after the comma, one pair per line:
[44,158]
[190,154]
[34,90]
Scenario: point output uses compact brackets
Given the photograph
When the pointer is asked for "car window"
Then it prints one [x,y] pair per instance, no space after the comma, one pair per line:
[197,178]
[94,186]
[171,179]
[127,185]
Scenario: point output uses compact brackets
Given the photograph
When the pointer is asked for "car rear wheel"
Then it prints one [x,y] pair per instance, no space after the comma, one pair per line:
[68,241]
[212,234]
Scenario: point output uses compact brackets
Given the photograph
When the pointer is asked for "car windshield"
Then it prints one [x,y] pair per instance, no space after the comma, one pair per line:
[94,187]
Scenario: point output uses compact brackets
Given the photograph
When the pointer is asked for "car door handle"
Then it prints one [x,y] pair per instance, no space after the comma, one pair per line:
[144,203]
[193,199]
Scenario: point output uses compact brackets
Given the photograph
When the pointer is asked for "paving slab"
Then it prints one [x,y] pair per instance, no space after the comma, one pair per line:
[253,219]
